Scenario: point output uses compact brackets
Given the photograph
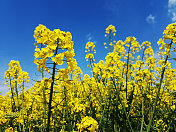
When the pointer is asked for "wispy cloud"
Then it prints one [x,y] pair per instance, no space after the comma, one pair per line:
[90,38]
[172,9]
[150,19]
[112,6]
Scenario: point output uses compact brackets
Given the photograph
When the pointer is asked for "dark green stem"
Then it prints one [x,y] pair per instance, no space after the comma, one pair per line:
[127,70]
[44,98]
[51,94]
[158,93]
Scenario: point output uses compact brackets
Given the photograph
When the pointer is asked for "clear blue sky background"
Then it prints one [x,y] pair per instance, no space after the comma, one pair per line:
[85,19]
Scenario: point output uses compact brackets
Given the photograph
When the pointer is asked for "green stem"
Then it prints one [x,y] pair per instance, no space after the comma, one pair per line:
[127,70]
[16,90]
[51,94]
[123,105]
[12,98]
[23,106]
[18,109]
[110,39]
[44,98]
[142,123]
[157,97]
[66,113]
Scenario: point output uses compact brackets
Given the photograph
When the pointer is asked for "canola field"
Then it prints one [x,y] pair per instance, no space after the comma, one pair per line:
[131,91]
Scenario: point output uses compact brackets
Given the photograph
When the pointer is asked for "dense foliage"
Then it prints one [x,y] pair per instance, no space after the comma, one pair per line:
[131,90]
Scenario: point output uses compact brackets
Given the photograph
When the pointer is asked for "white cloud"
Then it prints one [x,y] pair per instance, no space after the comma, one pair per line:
[172,9]
[112,6]
[172,3]
[174,16]
[89,37]
[150,19]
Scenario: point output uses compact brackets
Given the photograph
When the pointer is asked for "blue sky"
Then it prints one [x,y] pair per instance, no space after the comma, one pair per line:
[85,19]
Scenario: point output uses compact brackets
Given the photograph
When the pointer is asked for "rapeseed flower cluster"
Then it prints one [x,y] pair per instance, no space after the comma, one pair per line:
[130,90]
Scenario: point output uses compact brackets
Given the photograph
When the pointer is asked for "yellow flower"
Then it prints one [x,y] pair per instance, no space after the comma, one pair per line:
[58,59]
[88,123]
[173,107]
[89,56]
[111,29]
[10,129]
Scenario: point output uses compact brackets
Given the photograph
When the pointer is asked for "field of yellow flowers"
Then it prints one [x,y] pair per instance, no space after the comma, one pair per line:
[130,91]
